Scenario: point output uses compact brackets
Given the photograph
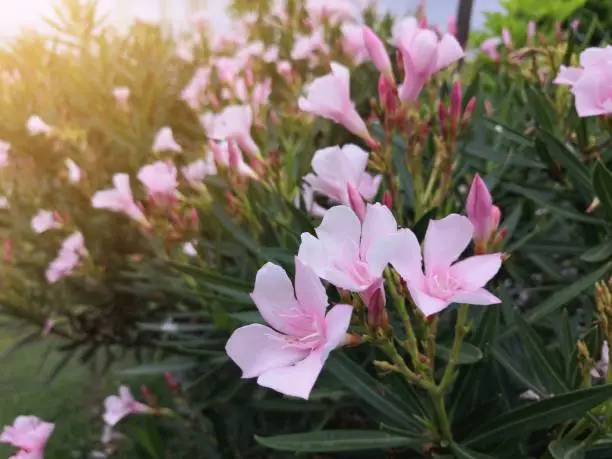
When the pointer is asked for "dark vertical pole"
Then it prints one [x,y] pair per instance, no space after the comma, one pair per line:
[464,16]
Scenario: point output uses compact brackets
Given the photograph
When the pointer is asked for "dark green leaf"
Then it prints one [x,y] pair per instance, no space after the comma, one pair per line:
[171,365]
[602,182]
[566,449]
[330,441]
[462,452]
[599,253]
[468,354]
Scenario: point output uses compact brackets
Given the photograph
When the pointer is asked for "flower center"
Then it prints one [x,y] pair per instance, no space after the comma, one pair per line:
[442,285]
[308,329]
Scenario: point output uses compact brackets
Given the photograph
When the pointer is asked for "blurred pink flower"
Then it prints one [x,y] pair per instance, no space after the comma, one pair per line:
[531,32]
[197,171]
[335,11]
[311,206]
[189,249]
[119,199]
[337,167]
[347,253]
[4,202]
[423,54]
[231,158]
[590,82]
[600,369]
[159,179]
[44,220]
[489,47]
[35,126]
[329,97]
[184,51]
[444,281]
[506,38]
[378,54]
[271,54]
[261,94]
[451,25]
[353,43]
[29,434]
[68,258]
[118,407]
[193,93]
[74,171]
[289,356]
[228,68]
[284,68]
[234,123]
[306,46]
[480,210]
[121,95]
[5,147]
[164,141]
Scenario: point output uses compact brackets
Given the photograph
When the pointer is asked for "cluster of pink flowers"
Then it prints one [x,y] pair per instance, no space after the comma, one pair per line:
[29,435]
[68,257]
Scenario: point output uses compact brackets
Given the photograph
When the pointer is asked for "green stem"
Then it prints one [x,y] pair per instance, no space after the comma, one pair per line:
[411,377]
[410,344]
[444,423]
[460,332]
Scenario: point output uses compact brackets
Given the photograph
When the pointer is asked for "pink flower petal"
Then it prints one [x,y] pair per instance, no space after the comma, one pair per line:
[378,223]
[337,322]
[428,305]
[445,240]
[406,258]
[474,272]
[568,75]
[309,290]
[340,226]
[257,349]
[449,52]
[296,380]
[478,297]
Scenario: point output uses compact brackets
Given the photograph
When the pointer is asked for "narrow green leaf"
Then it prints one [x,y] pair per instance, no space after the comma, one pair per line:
[29,338]
[468,354]
[599,253]
[462,452]
[602,182]
[397,411]
[566,449]
[171,365]
[332,441]
[248,317]
[239,234]
[540,415]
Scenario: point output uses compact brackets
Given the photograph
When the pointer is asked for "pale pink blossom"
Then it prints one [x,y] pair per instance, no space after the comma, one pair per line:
[5,147]
[348,253]
[30,435]
[531,32]
[284,68]
[117,407]
[271,54]
[36,126]
[506,38]
[600,369]
[481,211]
[240,90]
[119,199]
[489,47]
[590,82]
[253,49]
[229,155]
[329,96]
[310,204]
[121,95]
[189,249]
[4,202]
[307,46]
[227,68]
[234,123]
[250,18]
[164,141]
[193,93]
[451,25]
[444,280]
[68,258]
[335,11]
[335,168]
[197,171]
[352,41]
[160,179]
[44,220]
[261,94]
[289,355]
[184,51]
[378,54]
[74,171]
[423,54]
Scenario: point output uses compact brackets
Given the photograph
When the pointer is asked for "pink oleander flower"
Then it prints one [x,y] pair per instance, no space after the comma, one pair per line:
[234,123]
[347,253]
[531,32]
[284,68]
[306,46]
[164,141]
[68,258]
[310,205]
[74,171]
[36,126]
[229,155]
[240,90]
[451,26]
[335,11]
[423,54]
[378,54]
[335,168]
[590,82]
[160,179]
[261,94]
[480,210]
[289,355]
[30,435]
[444,282]
[118,407]
[271,54]
[600,369]
[121,95]
[506,38]
[489,47]
[197,171]
[184,51]
[119,199]
[193,93]
[329,96]
[353,43]
[44,220]
[227,68]
[253,49]
[5,147]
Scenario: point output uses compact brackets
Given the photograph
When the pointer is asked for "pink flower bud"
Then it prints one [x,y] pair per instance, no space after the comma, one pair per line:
[356,201]
[506,38]
[452,25]
[374,298]
[488,106]
[531,32]
[480,211]
[387,95]
[234,155]
[575,24]
[423,22]
[249,79]
[378,53]
[387,199]
[495,217]
[171,382]
[456,98]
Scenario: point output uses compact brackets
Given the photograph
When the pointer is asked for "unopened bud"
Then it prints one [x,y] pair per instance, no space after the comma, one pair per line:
[451,26]
[7,255]
[249,80]
[387,199]
[423,22]
[352,340]
[531,32]
[387,96]
[507,38]
[469,109]
[356,201]
[171,382]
